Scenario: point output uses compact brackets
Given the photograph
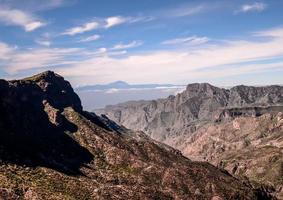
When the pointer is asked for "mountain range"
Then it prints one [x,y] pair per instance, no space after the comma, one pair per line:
[50,148]
[238,129]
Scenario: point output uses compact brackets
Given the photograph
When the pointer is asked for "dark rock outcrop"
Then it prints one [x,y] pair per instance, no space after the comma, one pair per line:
[32,128]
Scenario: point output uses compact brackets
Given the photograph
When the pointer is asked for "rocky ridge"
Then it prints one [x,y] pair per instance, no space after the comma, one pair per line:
[165,119]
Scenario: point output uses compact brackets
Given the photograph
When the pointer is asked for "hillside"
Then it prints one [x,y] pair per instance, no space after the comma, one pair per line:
[51,149]
[245,146]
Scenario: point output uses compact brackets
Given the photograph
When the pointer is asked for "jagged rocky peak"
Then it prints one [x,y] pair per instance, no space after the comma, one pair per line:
[244,95]
[57,91]
[205,90]
[201,87]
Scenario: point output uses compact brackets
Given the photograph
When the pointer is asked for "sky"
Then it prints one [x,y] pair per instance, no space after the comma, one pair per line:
[223,42]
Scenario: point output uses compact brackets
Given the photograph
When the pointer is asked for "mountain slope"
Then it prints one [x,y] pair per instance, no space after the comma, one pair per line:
[245,146]
[51,149]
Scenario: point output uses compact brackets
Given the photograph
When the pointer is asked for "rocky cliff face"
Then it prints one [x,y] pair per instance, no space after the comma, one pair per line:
[245,146]
[51,149]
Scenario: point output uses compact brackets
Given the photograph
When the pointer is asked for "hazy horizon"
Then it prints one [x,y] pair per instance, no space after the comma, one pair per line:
[99,97]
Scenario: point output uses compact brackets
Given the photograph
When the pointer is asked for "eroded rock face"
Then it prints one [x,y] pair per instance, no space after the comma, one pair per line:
[51,149]
[245,146]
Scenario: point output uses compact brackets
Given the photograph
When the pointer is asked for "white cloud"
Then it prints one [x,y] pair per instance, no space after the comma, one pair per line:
[5,50]
[38,58]
[114,21]
[20,18]
[106,52]
[194,40]
[14,60]
[275,32]
[43,42]
[90,38]
[117,20]
[255,7]
[33,25]
[127,46]
[81,29]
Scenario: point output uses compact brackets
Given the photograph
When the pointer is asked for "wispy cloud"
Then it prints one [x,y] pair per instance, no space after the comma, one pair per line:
[90,38]
[104,23]
[254,7]
[132,44]
[187,11]
[193,40]
[43,42]
[15,60]
[5,50]
[183,10]
[81,29]
[275,32]
[35,5]
[20,18]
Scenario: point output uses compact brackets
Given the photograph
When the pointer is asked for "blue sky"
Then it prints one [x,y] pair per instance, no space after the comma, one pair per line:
[162,41]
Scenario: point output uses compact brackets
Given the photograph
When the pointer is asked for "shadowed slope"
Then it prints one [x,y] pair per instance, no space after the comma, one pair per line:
[27,134]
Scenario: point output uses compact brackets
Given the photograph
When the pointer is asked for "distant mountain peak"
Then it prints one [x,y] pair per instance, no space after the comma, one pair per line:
[119,82]
[123,85]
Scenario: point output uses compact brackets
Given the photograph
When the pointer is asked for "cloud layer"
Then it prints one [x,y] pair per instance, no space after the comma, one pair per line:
[215,60]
